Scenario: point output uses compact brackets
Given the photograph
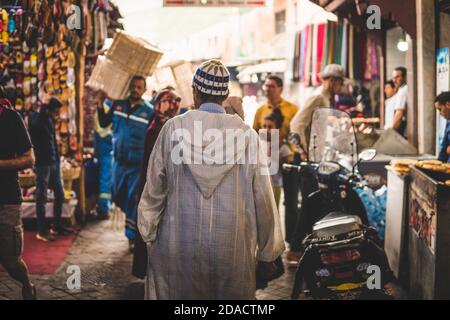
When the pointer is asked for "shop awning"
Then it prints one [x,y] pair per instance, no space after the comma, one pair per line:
[273,66]
[402,12]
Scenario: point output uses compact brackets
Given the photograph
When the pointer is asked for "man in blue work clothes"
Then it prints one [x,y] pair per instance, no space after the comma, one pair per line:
[129,119]
[442,104]
[103,152]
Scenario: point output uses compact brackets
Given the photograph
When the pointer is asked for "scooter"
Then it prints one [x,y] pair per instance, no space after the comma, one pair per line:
[339,250]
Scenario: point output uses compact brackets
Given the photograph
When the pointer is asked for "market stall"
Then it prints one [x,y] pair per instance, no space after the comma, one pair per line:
[41,52]
[428,237]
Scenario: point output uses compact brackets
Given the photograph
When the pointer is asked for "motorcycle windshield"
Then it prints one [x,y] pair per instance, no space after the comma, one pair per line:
[333,138]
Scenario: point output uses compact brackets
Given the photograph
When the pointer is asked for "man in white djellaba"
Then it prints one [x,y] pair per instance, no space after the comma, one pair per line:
[208,217]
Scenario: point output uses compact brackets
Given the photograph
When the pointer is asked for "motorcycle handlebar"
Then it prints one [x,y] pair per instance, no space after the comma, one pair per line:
[299,167]
[352,179]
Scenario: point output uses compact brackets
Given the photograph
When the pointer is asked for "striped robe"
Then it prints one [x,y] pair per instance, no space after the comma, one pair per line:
[206,226]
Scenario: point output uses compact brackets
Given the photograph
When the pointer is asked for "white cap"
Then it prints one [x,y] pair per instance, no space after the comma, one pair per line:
[333,70]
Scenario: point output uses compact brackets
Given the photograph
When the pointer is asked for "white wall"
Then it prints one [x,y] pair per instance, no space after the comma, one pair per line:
[394,57]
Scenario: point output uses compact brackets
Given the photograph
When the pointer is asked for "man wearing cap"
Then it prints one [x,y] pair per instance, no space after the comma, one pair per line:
[333,79]
[208,217]
[47,167]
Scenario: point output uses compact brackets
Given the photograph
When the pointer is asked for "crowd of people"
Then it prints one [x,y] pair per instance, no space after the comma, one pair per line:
[203,229]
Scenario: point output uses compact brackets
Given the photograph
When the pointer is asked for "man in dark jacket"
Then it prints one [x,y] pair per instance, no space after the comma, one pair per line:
[48,171]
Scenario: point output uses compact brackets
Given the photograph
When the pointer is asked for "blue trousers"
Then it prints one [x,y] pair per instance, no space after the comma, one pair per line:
[125,193]
[48,177]
[103,152]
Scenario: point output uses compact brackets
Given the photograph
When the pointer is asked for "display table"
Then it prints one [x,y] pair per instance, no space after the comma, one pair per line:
[378,164]
[29,209]
[397,224]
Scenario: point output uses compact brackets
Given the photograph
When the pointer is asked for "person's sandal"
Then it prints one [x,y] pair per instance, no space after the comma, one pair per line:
[293,258]
[45,237]
[29,295]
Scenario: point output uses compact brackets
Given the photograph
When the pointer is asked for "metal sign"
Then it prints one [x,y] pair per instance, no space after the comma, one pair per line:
[214,3]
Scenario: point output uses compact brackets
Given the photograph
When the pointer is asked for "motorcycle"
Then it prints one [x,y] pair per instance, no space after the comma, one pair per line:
[339,250]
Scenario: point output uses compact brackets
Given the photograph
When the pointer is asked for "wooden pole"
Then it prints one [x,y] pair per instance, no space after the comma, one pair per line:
[79,83]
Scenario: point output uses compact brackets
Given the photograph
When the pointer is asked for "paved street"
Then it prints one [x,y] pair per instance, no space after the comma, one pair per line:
[102,255]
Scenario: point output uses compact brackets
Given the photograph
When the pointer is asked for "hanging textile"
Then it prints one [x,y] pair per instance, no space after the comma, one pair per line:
[321,44]
[332,42]
[302,54]
[314,53]
[295,73]
[327,46]
[368,60]
[308,56]
[361,55]
[375,63]
[351,49]
[338,53]
[344,53]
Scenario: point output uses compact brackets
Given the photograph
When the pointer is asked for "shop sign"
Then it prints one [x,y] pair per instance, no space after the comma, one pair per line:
[422,214]
[214,3]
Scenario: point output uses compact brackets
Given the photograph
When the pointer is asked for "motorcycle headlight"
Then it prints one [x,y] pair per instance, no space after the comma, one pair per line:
[328,168]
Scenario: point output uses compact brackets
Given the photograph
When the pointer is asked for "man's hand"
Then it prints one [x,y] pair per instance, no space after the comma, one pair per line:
[100,96]
[266,269]
[303,156]
[448,150]
[24,161]
[398,118]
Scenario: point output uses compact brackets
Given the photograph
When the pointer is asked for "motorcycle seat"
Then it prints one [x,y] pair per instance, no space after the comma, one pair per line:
[336,223]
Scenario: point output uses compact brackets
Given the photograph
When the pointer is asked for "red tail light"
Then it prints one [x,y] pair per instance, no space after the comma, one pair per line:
[340,256]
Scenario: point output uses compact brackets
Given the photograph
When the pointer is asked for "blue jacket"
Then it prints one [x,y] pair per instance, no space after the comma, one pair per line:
[129,127]
[443,155]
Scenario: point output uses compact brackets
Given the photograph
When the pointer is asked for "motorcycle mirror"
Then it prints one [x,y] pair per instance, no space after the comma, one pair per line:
[367,155]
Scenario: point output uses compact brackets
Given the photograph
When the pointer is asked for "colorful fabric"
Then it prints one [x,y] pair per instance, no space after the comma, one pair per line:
[321,39]
[344,51]
[296,62]
[368,60]
[308,56]
[375,62]
[351,52]
[315,48]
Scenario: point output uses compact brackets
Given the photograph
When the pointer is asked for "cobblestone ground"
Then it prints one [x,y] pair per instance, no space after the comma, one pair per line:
[105,263]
